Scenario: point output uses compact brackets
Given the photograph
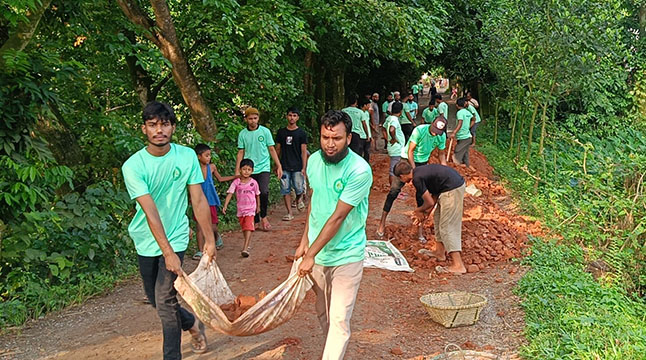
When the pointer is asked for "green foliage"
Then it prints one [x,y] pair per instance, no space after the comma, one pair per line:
[569,315]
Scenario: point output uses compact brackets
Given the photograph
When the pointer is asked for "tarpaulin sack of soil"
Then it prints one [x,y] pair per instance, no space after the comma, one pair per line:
[205,290]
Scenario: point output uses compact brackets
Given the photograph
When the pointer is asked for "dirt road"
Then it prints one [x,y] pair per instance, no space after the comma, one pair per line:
[388,316]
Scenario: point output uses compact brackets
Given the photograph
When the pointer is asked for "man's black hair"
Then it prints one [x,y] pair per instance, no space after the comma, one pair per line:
[468,93]
[438,96]
[334,117]
[159,111]
[293,110]
[460,102]
[246,162]
[363,101]
[200,148]
[402,167]
[396,108]
[352,98]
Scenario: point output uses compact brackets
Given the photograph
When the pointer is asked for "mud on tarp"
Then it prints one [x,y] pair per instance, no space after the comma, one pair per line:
[205,290]
[384,255]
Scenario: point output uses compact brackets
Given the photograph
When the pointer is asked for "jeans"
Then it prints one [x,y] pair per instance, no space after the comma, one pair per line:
[158,285]
[291,179]
[360,146]
[263,185]
[407,129]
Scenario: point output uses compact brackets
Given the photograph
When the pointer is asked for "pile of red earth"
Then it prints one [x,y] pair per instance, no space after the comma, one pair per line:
[241,304]
[490,233]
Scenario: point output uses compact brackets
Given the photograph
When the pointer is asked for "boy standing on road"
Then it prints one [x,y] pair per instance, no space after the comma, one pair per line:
[256,143]
[360,125]
[292,150]
[159,177]
[442,106]
[334,240]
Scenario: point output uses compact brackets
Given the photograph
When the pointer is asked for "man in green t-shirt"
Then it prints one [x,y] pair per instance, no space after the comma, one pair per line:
[430,113]
[255,142]
[334,240]
[159,177]
[415,90]
[405,119]
[423,141]
[356,109]
[462,133]
[442,106]
[475,122]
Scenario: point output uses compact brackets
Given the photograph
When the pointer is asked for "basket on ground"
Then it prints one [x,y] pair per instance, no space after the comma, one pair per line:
[453,309]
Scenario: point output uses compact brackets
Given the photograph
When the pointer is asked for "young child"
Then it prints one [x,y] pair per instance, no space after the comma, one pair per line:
[203,152]
[248,200]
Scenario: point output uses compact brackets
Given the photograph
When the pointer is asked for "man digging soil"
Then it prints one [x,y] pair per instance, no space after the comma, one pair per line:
[441,185]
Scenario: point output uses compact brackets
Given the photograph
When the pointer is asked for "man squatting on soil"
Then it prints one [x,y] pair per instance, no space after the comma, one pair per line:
[442,186]
[158,177]
[333,243]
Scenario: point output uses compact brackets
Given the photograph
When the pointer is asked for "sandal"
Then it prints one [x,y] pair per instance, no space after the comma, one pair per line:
[288,217]
[197,256]
[443,270]
[380,234]
[422,240]
[219,244]
[198,342]
[265,225]
[245,253]
[301,205]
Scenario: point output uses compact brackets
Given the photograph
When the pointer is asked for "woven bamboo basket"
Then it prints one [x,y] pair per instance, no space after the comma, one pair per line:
[453,309]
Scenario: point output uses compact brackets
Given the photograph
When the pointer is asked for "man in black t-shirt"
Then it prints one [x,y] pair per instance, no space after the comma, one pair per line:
[291,146]
[441,185]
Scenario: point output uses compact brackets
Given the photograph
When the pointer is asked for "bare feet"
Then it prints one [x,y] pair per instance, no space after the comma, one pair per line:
[264,224]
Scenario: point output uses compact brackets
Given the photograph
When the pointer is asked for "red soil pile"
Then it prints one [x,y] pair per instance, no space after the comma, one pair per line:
[490,233]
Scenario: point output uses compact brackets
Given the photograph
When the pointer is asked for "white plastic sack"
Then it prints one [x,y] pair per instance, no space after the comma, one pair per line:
[205,290]
[384,255]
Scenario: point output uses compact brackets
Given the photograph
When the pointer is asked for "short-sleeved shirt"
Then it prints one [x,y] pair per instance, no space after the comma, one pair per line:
[366,118]
[425,143]
[245,196]
[385,107]
[394,149]
[412,109]
[291,157]
[464,115]
[357,117]
[403,119]
[255,145]
[165,178]
[436,179]
[430,115]
[474,112]
[350,181]
[473,102]
[415,89]
[443,109]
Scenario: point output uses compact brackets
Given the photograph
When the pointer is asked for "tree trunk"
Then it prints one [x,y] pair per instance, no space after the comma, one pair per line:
[60,139]
[18,40]
[338,89]
[495,129]
[531,132]
[642,19]
[162,33]
[308,84]
[513,126]
[321,93]
[141,81]
[543,121]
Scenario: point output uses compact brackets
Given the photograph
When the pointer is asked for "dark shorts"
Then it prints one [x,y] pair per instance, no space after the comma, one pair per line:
[474,128]
[246,223]
[214,215]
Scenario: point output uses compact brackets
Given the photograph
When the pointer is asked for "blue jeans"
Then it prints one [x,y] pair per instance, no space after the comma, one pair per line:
[291,179]
[158,285]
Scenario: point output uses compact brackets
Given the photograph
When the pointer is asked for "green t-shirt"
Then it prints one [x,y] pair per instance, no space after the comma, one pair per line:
[384,107]
[350,181]
[366,118]
[430,115]
[165,178]
[255,145]
[403,119]
[464,115]
[443,108]
[415,89]
[425,143]
[412,109]
[394,149]
[474,112]
[356,115]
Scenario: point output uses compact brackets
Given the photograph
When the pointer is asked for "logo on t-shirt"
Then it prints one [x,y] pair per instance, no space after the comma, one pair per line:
[338,185]
[289,140]
[261,138]
[177,173]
